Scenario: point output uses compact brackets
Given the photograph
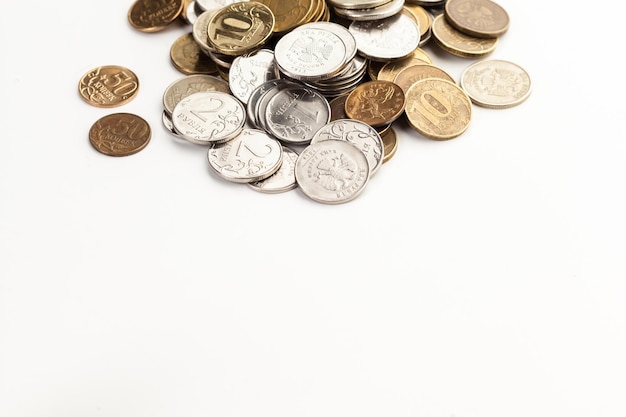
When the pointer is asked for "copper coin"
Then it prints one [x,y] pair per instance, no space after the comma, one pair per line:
[479,18]
[154,15]
[289,14]
[390,144]
[376,103]
[438,109]
[120,134]
[108,86]
[188,58]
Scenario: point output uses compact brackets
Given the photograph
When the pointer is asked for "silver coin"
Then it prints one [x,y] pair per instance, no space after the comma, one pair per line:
[357,4]
[209,117]
[381,12]
[346,37]
[249,71]
[253,100]
[200,30]
[250,156]
[332,171]
[191,14]
[310,53]
[496,84]
[386,39]
[282,180]
[263,101]
[294,114]
[185,86]
[205,5]
[169,125]
[359,134]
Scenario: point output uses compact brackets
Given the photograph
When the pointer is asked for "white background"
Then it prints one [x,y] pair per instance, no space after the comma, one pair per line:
[478,277]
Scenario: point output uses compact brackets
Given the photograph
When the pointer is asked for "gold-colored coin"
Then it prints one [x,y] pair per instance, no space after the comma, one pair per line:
[438,109]
[410,75]
[390,144]
[188,58]
[120,134]
[389,71]
[419,53]
[478,18]
[338,108]
[458,43]
[154,15]
[421,15]
[376,103]
[240,27]
[373,68]
[289,14]
[108,86]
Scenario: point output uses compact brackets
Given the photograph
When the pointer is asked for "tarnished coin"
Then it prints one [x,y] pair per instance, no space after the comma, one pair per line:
[251,70]
[250,156]
[478,18]
[496,84]
[382,40]
[338,107]
[289,14]
[108,86]
[438,109]
[240,27]
[188,58]
[282,180]
[458,43]
[410,75]
[376,103]
[359,134]
[185,86]
[209,117]
[120,134]
[390,143]
[332,171]
[154,15]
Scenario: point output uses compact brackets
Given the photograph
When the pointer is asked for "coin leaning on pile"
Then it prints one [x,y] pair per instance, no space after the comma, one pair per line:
[303,94]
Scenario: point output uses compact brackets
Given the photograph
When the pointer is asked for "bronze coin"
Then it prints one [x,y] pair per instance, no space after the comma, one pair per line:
[478,18]
[338,108]
[108,86]
[410,75]
[120,134]
[154,15]
[438,109]
[389,71]
[390,144]
[376,103]
[189,59]
[458,43]
[289,14]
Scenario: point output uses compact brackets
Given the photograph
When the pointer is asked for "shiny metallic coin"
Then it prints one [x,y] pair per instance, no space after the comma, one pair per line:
[240,28]
[289,14]
[346,37]
[310,54]
[496,84]
[188,58]
[332,171]
[119,134]
[200,31]
[294,114]
[423,17]
[410,75]
[153,16]
[384,11]
[108,86]
[168,124]
[253,100]
[390,144]
[251,70]
[426,38]
[282,180]
[359,134]
[185,86]
[209,117]
[383,40]
[357,4]
[376,103]
[459,44]
[477,18]
[250,156]
[438,109]
[264,99]
[389,71]
[211,5]
[190,13]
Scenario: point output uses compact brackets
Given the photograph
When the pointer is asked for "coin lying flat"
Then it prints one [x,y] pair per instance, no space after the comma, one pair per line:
[496,84]
[386,39]
[332,171]
[188,57]
[120,134]
[459,43]
[410,75]
[376,103]
[479,18]
[438,109]
[289,14]
[108,86]
[152,16]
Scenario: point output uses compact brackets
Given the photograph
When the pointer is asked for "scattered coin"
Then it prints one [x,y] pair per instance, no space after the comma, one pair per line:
[459,43]
[496,84]
[376,103]
[153,16]
[251,70]
[185,86]
[119,134]
[108,86]
[188,58]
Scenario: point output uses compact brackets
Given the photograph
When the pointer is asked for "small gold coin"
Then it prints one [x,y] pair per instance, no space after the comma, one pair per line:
[119,134]
[376,103]
[390,144]
[108,86]
[438,109]
[458,43]
[188,58]
[289,14]
[154,15]
[410,75]
[240,27]
[478,18]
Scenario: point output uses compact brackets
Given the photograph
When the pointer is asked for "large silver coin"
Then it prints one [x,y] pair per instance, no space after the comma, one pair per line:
[185,86]
[250,156]
[310,53]
[332,171]
[386,39]
[346,37]
[253,100]
[282,180]
[200,30]
[496,84]
[359,134]
[166,118]
[209,117]
[249,71]
[294,114]
[263,101]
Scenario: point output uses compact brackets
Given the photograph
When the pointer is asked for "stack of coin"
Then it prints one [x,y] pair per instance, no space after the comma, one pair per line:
[360,10]
[291,14]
